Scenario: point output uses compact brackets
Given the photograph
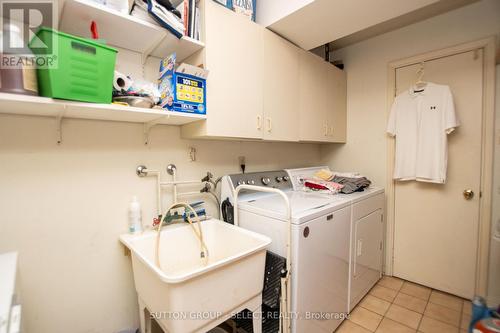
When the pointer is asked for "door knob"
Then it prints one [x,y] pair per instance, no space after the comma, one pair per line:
[468,194]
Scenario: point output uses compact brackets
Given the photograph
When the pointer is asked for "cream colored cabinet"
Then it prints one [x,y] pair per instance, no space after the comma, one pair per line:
[261,86]
[336,108]
[233,55]
[322,100]
[312,105]
[280,89]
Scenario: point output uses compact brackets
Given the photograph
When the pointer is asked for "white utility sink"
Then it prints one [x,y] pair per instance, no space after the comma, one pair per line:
[187,295]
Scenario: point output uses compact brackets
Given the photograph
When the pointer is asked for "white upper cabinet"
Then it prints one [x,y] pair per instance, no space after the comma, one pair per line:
[262,87]
[336,107]
[322,100]
[312,98]
[280,89]
[233,54]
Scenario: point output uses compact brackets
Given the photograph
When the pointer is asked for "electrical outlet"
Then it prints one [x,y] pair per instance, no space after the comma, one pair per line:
[242,163]
[192,154]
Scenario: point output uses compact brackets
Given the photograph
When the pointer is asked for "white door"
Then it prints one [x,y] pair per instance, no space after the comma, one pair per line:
[436,227]
[280,89]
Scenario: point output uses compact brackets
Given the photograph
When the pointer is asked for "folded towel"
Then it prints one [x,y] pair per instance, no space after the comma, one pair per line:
[322,185]
[348,174]
[352,184]
[324,174]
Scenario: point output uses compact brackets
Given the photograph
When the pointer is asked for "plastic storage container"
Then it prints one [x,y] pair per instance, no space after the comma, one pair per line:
[84,70]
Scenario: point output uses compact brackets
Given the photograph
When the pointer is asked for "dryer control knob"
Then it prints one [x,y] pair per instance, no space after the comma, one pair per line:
[266,180]
[279,179]
[241,182]
[286,178]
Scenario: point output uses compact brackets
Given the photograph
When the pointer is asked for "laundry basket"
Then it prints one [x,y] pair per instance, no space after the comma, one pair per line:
[83,70]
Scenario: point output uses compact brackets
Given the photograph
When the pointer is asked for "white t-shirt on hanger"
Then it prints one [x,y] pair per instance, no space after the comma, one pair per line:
[421,120]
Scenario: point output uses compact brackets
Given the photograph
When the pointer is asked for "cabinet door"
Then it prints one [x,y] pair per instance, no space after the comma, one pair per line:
[312,91]
[336,107]
[280,89]
[366,260]
[234,86]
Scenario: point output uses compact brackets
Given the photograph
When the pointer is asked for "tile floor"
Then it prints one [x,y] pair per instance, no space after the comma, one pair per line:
[398,306]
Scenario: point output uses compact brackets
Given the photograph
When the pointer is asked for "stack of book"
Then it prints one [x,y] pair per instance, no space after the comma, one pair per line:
[183,21]
[190,12]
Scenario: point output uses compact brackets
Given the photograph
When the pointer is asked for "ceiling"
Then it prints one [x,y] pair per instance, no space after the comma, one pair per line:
[342,22]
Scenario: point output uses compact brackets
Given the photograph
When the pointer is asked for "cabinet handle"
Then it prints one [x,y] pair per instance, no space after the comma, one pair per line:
[259,123]
[326,130]
[331,130]
[269,124]
[359,250]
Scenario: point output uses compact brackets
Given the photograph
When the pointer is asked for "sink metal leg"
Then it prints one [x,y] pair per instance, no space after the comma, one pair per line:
[257,320]
[144,317]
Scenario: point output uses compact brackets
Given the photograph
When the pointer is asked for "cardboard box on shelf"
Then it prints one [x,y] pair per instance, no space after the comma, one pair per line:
[182,89]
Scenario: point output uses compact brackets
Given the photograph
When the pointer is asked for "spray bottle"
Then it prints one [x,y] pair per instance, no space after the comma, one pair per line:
[134,216]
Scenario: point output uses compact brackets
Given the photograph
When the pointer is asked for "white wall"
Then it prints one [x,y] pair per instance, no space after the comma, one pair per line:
[494,277]
[366,66]
[63,207]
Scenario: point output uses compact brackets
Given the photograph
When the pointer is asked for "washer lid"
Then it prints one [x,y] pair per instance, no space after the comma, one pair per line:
[305,206]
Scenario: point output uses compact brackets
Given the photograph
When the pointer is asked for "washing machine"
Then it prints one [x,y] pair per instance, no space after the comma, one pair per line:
[320,245]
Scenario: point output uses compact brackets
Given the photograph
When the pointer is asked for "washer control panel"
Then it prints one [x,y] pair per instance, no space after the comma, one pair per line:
[275,179]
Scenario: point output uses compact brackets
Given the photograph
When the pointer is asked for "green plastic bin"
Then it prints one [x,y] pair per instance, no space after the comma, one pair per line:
[84,69]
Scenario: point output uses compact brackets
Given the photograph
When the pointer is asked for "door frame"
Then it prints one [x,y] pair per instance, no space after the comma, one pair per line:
[488,45]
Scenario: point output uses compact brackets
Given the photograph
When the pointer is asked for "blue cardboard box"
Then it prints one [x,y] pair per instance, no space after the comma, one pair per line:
[181,91]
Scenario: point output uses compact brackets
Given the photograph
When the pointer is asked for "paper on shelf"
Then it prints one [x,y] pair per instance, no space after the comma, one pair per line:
[192,70]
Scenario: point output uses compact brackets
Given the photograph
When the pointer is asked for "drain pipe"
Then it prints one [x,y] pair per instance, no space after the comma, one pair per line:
[172,170]
[143,171]
[285,280]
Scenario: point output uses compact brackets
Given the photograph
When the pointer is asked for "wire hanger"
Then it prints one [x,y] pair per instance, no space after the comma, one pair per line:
[419,84]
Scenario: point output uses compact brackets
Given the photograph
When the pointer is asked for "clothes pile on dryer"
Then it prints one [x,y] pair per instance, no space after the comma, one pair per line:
[335,182]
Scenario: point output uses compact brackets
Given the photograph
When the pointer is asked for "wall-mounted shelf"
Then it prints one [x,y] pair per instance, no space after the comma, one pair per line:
[59,109]
[124,31]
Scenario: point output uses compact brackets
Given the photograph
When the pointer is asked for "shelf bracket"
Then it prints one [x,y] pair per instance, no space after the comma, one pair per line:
[147,129]
[147,53]
[59,120]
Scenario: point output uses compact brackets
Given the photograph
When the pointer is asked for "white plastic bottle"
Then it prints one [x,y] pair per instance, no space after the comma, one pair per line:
[134,216]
